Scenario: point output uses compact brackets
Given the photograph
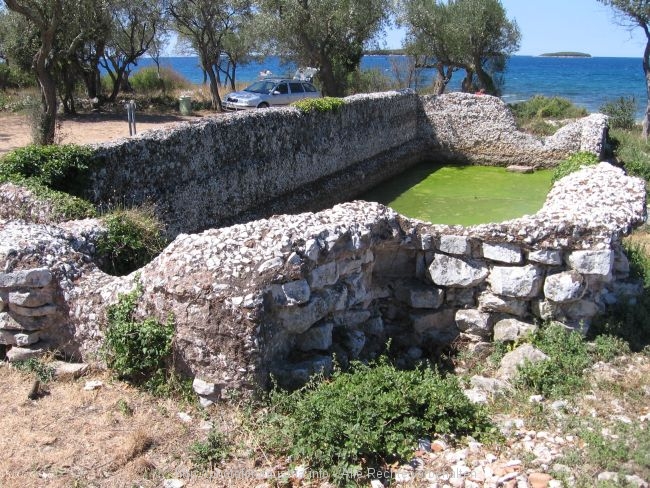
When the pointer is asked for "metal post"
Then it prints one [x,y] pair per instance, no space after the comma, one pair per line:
[130,114]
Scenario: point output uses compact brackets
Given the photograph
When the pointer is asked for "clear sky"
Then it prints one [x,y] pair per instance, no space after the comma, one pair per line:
[565,25]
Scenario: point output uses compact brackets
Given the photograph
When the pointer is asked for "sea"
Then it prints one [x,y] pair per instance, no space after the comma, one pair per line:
[587,82]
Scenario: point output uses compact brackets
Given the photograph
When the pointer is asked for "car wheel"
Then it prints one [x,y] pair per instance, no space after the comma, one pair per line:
[263,105]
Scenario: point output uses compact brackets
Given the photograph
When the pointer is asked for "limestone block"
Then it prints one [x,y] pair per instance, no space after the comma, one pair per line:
[489,302]
[294,375]
[621,263]
[8,322]
[4,300]
[551,257]
[354,342]
[460,297]
[567,286]
[510,330]
[312,249]
[426,242]
[582,310]
[25,353]
[492,386]
[502,252]
[374,327]
[510,362]
[270,265]
[203,388]
[32,312]
[516,281]
[351,318]
[297,320]
[318,337]
[546,310]
[424,321]
[454,272]
[296,292]
[15,338]
[36,278]
[324,275]
[357,292]
[455,245]
[64,369]
[598,262]
[475,322]
[349,267]
[418,296]
[34,297]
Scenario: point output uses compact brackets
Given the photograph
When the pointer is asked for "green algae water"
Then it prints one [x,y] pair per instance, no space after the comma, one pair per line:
[463,195]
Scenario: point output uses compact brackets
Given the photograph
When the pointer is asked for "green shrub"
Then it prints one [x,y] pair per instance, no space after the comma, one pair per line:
[63,168]
[209,454]
[368,416]
[64,206]
[133,238]
[137,351]
[325,104]
[540,127]
[620,112]
[633,151]
[368,81]
[569,354]
[573,163]
[547,108]
[147,80]
[38,368]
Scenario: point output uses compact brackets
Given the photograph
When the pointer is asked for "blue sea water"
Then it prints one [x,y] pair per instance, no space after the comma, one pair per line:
[588,82]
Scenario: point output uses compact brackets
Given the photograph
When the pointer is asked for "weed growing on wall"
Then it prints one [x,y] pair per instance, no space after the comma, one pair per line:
[573,163]
[138,351]
[368,416]
[133,238]
[325,104]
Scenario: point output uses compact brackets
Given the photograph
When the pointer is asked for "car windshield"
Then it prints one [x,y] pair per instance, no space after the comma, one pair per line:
[260,87]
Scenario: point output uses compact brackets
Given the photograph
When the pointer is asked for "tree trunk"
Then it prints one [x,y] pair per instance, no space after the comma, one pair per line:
[46,122]
[331,87]
[214,89]
[646,72]
[485,80]
[467,85]
[442,78]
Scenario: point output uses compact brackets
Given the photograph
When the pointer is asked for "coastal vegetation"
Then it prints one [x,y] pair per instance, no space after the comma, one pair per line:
[566,54]
[543,115]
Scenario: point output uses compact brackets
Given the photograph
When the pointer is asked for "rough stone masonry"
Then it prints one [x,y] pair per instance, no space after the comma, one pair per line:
[284,295]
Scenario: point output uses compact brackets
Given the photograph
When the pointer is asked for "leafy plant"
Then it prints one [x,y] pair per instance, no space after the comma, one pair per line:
[633,151]
[573,163]
[209,454]
[148,80]
[133,238]
[620,112]
[369,416]
[137,351]
[546,108]
[38,368]
[325,104]
[63,168]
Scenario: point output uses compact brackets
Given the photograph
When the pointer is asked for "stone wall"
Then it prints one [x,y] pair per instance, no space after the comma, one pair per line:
[242,166]
[286,295]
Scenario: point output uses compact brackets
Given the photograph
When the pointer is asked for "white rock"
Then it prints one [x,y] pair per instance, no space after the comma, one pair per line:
[592,262]
[93,385]
[516,281]
[449,271]
[551,257]
[525,352]
[502,252]
[454,244]
[567,286]
[512,330]
[474,322]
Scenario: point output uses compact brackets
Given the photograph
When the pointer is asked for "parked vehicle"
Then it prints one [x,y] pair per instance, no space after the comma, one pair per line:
[270,92]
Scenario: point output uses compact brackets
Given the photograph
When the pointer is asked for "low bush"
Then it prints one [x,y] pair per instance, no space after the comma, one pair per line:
[547,108]
[568,354]
[149,79]
[63,168]
[368,81]
[138,351]
[325,104]
[41,370]
[369,416]
[133,238]
[633,151]
[573,163]
[621,112]
[208,454]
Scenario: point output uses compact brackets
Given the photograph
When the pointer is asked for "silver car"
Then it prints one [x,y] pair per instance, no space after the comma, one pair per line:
[270,92]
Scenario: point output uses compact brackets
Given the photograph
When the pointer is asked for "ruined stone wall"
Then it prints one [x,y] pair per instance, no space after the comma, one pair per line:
[286,295]
[243,166]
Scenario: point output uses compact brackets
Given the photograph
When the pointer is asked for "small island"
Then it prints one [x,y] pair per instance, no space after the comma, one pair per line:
[566,54]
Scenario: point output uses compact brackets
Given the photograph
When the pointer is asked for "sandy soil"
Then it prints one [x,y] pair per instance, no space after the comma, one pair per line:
[15,131]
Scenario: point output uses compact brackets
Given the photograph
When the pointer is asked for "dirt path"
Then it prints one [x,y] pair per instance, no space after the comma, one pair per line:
[15,131]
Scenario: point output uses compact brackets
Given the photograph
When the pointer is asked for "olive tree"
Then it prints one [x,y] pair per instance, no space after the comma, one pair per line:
[327,34]
[473,35]
[206,26]
[636,13]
